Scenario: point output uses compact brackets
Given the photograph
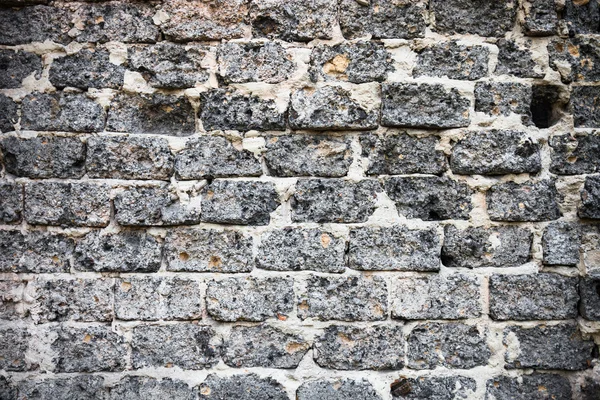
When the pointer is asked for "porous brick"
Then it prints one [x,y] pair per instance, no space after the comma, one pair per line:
[474,17]
[516,59]
[241,387]
[585,105]
[590,198]
[13,357]
[89,387]
[581,16]
[86,69]
[34,252]
[529,201]
[576,59]
[11,202]
[143,388]
[439,388]
[254,62]
[560,244]
[8,116]
[34,24]
[337,390]
[18,65]
[452,60]
[503,98]
[589,305]
[540,17]
[535,386]
[11,299]
[575,154]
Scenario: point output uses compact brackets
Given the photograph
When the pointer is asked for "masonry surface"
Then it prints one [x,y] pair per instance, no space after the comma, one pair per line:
[300,199]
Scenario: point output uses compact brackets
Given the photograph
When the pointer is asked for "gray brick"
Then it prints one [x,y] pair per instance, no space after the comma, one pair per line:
[90,387]
[535,387]
[581,16]
[34,252]
[585,106]
[575,154]
[13,358]
[254,62]
[86,69]
[11,202]
[8,116]
[560,243]
[337,390]
[516,59]
[589,389]
[11,299]
[439,388]
[576,59]
[452,60]
[474,17]
[503,99]
[241,387]
[589,291]
[18,65]
[7,390]
[34,24]
[528,201]
[590,198]
[143,388]
[541,18]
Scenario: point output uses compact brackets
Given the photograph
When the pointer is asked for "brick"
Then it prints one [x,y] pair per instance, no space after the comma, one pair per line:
[535,386]
[13,357]
[576,59]
[222,109]
[346,298]
[143,387]
[541,18]
[68,112]
[263,346]
[503,98]
[395,248]
[337,390]
[67,204]
[528,201]
[134,251]
[382,19]
[34,24]
[292,249]
[366,348]
[495,152]
[581,16]
[34,252]
[157,298]
[452,60]
[44,156]
[215,157]
[86,69]
[17,66]
[575,154]
[516,59]
[249,298]
[156,206]
[329,108]
[124,157]
[11,297]
[400,154]
[548,347]
[9,116]
[185,345]
[7,389]
[430,198]
[151,113]
[11,202]
[590,249]
[560,243]
[439,388]
[254,62]
[585,108]
[423,106]
[474,17]
[477,247]
[241,387]
[589,292]
[589,389]
[73,387]
[590,198]
[87,349]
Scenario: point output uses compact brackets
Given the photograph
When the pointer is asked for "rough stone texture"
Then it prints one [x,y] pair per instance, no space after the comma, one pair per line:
[585,104]
[430,198]
[548,347]
[534,387]
[34,24]
[44,156]
[223,109]
[86,69]
[18,65]
[8,116]
[560,243]
[263,346]
[35,252]
[452,60]
[582,16]
[382,19]
[12,358]
[590,250]
[439,388]
[7,390]
[423,106]
[542,296]
[187,346]
[476,247]
[11,202]
[11,307]
[61,111]
[574,155]
[241,387]
[590,198]
[239,202]
[503,99]
[301,155]
[151,113]
[75,387]
[489,18]
[541,18]
[450,345]
[589,292]
[351,298]
[254,62]
[495,152]
[529,201]
[301,249]
[590,388]
[67,204]
[394,249]
[337,390]
[401,154]
[352,348]
[329,108]
[215,157]
[334,200]
[134,251]
[576,59]
[143,388]
[516,59]
[249,298]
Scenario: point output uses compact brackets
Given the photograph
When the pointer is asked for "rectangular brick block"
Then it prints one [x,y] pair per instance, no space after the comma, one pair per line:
[541,18]
[576,59]
[551,386]
[589,292]
[248,386]
[337,390]
[254,62]
[11,202]
[34,24]
[516,58]
[523,202]
[21,64]
[452,60]
[434,387]
[9,117]
[585,106]
[560,243]
[86,69]
[575,155]
[590,198]
[11,299]
[89,387]
[581,17]
[143,387]
[463,16]
[503,99]
[13,356]
[35,252]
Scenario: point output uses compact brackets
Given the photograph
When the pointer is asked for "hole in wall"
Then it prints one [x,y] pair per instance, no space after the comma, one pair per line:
[546,105]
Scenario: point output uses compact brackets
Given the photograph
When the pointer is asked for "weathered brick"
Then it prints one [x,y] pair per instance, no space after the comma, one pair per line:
[143,388]
[590,198]
[185,345]
[67,204]
[548,347]
[8,116]
[11,202]
[87,349]
[474,17]
[239,202]
[329,108]
[44,156]
[574,155]
[263,346]
[134,251]
[153,298]
[449,345]
[60,111]
[156,206]
[223,109]
[576,59]
[334,200]
[560,243]
[206,250]
[13,357]
[292,249]
[590,249]
[400,154]
[352,348]
[529,201]
[430,198]
[516,59]
[535,386]
[394,248]
[123,157]
[585,106]
[337,390]
[423,106]
[89,387]
[7,390]
[86,69]
[439,388]
[589,292]
[540,17]
[18,65]
[151,113]
[581,16]
[241,387]
[35,252]
[503,98]
[476,247]
[34,24]
[215,157]
[346,298]
[249,298]
[495,152]
[589,388]
[452,60]
[254,62]
[11,299]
